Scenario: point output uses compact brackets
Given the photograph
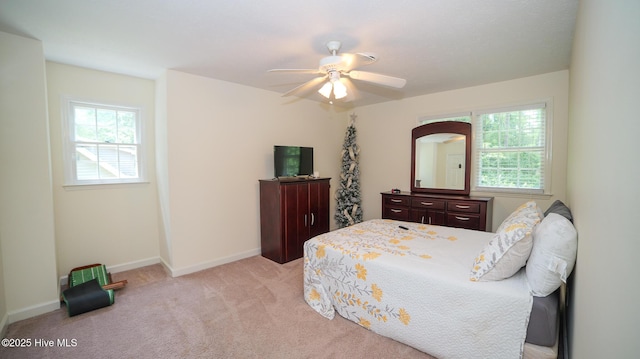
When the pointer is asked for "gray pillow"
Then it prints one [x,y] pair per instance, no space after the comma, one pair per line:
[561,209]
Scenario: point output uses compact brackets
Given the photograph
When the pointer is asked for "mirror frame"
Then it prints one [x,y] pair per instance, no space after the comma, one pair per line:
[462,128]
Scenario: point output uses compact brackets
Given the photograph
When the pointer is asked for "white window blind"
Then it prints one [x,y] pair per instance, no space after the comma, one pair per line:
[511,149]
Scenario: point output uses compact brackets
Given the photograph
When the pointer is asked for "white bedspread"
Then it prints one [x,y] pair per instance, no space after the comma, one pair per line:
[413,286]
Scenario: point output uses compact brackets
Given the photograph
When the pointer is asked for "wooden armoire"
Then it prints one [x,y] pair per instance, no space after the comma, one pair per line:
[292,210]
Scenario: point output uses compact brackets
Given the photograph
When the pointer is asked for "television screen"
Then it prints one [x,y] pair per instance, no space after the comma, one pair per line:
[291,161]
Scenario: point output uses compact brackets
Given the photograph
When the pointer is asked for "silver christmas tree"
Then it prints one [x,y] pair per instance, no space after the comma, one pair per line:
[349,209]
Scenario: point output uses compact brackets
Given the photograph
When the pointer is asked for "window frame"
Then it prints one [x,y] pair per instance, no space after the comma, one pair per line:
[69,142]
[547,104]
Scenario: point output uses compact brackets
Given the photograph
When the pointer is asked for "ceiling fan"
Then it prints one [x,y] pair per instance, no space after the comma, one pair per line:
[335,72]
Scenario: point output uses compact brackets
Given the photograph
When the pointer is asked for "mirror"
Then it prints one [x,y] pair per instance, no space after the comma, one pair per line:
[441,158]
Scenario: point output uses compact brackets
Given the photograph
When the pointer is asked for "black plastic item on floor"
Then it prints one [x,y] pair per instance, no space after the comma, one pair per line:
[86,297]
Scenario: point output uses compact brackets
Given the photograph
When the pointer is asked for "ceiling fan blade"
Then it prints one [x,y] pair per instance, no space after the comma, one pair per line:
[299,71]
[354,61]
[306,87]
[378,78]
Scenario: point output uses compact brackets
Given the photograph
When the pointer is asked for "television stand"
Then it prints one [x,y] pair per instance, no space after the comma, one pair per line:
[292,210]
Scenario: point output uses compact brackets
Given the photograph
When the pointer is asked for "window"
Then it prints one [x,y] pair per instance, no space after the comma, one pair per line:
[511,149]
[103,144]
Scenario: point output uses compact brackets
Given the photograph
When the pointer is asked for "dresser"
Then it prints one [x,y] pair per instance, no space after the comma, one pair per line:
[439,209]
[292,210]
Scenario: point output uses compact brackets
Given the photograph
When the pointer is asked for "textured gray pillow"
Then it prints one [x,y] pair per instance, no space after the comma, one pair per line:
[561,209]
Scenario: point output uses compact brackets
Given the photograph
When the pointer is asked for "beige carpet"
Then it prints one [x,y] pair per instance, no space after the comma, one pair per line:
[253,308]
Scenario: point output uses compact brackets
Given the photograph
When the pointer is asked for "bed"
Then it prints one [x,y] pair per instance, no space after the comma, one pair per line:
[419,284]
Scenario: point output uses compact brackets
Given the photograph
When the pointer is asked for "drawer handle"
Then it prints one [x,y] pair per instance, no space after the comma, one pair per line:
[462,218]
[396,200]
[462,207]
[396,210]
[426,203]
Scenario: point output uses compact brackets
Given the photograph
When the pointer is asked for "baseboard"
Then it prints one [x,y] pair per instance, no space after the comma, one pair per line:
[133,265]
[173,272]
[209,264]
[64,280]
[33,311]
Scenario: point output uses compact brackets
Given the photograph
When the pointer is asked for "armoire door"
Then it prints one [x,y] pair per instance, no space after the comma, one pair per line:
[294,208]
[302,218]
[318,208]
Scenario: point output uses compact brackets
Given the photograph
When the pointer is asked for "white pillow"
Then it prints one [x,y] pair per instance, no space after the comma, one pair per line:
[555,244]
[510,247]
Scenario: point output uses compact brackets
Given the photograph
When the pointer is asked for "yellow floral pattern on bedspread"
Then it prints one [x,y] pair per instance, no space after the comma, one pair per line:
[397,279]
[343,281]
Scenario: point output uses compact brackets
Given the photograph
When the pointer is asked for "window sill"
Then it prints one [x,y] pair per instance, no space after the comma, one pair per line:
[511,193]
[91,186]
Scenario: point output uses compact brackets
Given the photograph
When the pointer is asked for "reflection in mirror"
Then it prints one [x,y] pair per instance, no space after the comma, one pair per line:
[440,154]
[440,161]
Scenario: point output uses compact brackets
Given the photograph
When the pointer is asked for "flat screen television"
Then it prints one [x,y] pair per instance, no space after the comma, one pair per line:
[292,161]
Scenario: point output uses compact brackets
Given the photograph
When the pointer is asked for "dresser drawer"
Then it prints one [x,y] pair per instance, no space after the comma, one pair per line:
[442,210]
[403,201]
[397,213]
[463,221]
[463,206]
[427,203]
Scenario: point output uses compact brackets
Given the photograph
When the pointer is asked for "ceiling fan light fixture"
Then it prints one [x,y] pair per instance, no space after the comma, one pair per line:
[339,90]
[325,90]
[334,85]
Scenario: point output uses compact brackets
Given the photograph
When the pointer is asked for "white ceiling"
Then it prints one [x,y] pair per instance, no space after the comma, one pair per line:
[436,45]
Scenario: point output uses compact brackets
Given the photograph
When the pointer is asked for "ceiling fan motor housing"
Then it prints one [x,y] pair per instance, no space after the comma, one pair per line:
[332,63]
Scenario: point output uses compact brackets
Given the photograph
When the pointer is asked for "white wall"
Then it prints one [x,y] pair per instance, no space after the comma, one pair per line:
[218,142]
[385,136]
[27,237]
[603,179]
[116,225]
